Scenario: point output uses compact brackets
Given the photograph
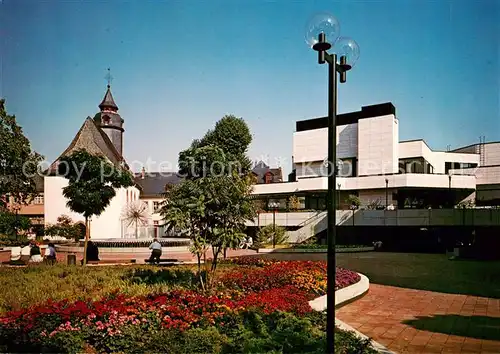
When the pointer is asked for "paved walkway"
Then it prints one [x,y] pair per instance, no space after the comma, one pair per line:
[181,256]
[415,321]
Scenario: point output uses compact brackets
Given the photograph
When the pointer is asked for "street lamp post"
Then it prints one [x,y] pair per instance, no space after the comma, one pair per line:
[16,225]
[338,199]
[449,191]
[274,206]
[321,29]
[386,192]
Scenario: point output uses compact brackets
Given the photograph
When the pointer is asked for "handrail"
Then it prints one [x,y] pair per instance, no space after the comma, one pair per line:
[310,219]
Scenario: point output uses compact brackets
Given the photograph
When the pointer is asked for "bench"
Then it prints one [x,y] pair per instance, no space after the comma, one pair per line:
[163,260]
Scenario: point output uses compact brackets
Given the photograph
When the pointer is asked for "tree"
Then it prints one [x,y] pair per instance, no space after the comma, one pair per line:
[18,162]
[271,232]
[354,204]
[229,204]
[184,212]
[213,202]
[10,223]
[136,213]
[92,181]
[233,136]
[294,202]
[65,227]
[353,201]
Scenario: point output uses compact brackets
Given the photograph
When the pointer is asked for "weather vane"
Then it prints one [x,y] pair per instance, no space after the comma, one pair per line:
[108,77]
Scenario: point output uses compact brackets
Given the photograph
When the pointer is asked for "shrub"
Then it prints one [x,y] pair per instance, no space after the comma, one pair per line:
[353,201]
[9,222]
[12,241]
[65,227]
[268,233]
[294,203]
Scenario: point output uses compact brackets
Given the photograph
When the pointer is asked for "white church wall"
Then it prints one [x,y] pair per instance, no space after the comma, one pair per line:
[55,203]
[107,225]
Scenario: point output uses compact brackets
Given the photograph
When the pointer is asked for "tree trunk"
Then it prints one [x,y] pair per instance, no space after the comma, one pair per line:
[136,230]
[200,275]
[87,236]
[225,252]
[207,270]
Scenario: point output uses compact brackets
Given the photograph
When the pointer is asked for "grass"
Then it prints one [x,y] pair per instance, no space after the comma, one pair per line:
[24,287]
[433,272]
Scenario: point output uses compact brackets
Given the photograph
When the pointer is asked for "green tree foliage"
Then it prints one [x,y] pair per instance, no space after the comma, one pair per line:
[92,181]
[232,135]
[294,202]
[266,234]
[213,202]
[9,221]
[18,162]
[353,201]
[65,227]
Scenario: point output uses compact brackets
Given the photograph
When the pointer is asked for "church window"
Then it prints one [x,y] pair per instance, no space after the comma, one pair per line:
[106,120]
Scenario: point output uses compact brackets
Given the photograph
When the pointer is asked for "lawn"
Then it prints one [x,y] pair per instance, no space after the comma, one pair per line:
[254,306]
[434,272]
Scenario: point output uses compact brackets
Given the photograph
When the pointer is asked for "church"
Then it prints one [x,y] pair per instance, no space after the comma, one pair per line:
[103,135]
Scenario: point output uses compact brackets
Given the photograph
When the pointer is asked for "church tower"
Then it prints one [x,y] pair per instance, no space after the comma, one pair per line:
[110,121]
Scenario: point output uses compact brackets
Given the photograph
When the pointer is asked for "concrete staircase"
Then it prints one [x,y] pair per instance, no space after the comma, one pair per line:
[316,224]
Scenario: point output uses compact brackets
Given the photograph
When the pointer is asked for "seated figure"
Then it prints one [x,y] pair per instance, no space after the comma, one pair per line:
[92,252]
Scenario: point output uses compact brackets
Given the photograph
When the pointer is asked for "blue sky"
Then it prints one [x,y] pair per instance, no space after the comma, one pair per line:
[179,66]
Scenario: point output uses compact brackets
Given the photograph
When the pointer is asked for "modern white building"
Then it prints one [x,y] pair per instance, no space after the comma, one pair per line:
[381,170]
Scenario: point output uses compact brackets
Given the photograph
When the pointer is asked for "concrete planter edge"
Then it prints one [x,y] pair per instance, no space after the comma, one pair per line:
[345,295]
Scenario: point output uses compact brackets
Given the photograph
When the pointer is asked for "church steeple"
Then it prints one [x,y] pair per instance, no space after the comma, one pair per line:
[109,120]
[108,103]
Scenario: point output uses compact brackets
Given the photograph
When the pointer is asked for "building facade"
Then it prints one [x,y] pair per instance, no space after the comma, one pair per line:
[373,165]
[102,135]
[378,168]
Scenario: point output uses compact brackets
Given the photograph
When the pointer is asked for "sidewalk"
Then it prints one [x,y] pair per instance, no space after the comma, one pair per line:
[415,321]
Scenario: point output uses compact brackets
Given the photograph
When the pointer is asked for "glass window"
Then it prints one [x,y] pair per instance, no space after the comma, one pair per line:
[38,199]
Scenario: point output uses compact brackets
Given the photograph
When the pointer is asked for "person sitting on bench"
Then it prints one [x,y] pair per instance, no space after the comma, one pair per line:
[155,248]
[50,254]
[92,252]
[35,253]
[247,243]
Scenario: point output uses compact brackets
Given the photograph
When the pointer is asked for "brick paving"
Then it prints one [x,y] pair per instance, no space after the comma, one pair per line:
[381,314]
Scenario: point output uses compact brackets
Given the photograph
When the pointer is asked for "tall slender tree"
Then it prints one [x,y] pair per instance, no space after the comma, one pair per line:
[213,202]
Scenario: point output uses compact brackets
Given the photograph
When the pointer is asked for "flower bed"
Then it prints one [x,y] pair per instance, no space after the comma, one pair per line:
[257,306]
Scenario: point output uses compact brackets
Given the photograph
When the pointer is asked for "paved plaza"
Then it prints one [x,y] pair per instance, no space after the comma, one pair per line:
[416,321]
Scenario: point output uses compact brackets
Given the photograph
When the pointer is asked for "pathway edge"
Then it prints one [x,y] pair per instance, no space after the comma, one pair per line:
[346,295]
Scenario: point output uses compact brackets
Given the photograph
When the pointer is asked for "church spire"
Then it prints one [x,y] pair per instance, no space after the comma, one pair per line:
[108,103]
